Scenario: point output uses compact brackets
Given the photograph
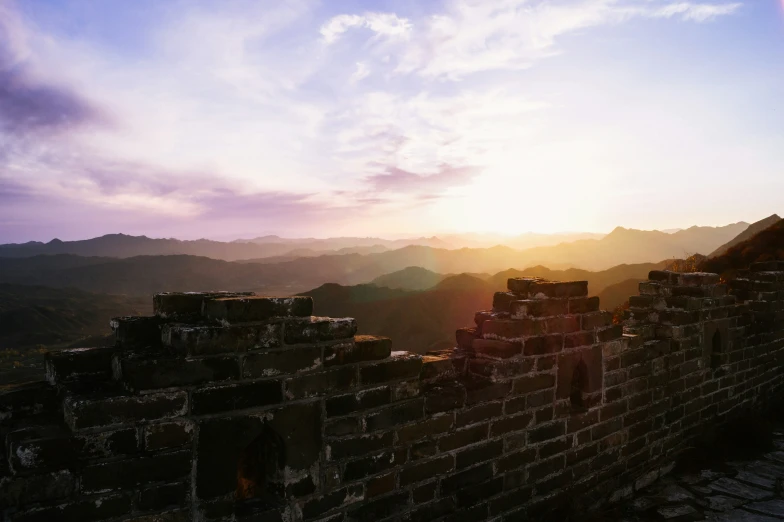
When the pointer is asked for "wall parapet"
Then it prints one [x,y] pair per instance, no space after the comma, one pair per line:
[238,407]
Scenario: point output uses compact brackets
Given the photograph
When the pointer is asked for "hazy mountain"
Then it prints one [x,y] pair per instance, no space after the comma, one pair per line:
[339,243]
[410,278]
[416,321]
[613,296]
[753,229]
[521,241]
[124,246]
[31,315]
[766,245]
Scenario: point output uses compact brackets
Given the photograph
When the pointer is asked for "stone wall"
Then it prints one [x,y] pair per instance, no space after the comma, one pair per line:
[237,407]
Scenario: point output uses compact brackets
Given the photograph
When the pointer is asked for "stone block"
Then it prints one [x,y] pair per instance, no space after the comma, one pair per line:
[127,474]
[79,364]
[162,497]
[65,451]
[234,310]
[496,348]
[466,478]
[562,289]
[380,508]
[88,510]
[209,340]
[425,470]
[186,306]
[364,348]
[465,336]
[444,398]
[280,362]
[544,344]
[325,382]
[137,333]
[167,435]
[533,383]
[583,305]
[513,329]
[395,415]
[236,397]
[665,277]
[18,401]
[362,400]
[355,446]
[521,285]
[83,412]
[401,365]
[503,300]
[441,367]
[538,308]
[320,505]
[370,465]
[19,491]
[315,329]
[143,373]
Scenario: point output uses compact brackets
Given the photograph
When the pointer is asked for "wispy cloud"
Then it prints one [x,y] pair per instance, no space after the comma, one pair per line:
[380,24]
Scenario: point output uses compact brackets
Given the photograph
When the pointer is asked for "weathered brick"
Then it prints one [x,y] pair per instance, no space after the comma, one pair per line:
[206,340]
[463,437]
[315,329]
[558,289]
[466,478]
[89,413]
[351,402]
[465,336]
[162,496]
[496,348]
[127,474]
[444,398]
[279,362]
[532,383]
[544,344]
[395,415]
[478,413]
[141,373]
[183,306]
[79,364]
[370,465]
[232,310]
[512,329]
[479,453]
[381,507]
[363,348]
[100,508]
[402,365]
[511,423]
[19,491]
[538,307]
[137,333]
[321,505]
[425,470]
[313,384]
[546,432]
[359,445]
[381,485]
[236,397]
[167,435]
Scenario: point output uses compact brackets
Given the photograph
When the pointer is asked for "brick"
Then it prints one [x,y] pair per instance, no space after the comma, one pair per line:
[479,453]
[596,320]
[509,424]
[79,364]
[395,415]
[542,345]
[316,329]
[381,485]
[90,413]
[340,378]
[137,333]
[321,505]
[126,474]
[538,308]
[466,478]
[496,370]
[362,400]
[502,301]
[576,339]
[364,348]
[546,432]
[162,496]
[233,310]
[583,305]
[381,507]
[478,413]
[186,306]
[562,324]
[209,340]
[463,437]
[279,362]
[140,374]
[236,397]
[359,445]
[402,365]
[478,493]
[167,435]
[559,289]
[481,390]
[424,492]
[63,451]
[370,465]
[432,511]
[588,361]
[100,508]
[496,348]
[532,383]
[440,368]
[425,470]
[465,336]
[20,491]
[512,329]
[542,469]
[516,460]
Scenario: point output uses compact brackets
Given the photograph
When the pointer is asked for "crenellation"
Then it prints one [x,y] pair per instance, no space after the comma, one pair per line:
[542,399]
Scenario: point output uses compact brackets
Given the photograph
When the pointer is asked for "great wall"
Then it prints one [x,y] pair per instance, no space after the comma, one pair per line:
[235,407]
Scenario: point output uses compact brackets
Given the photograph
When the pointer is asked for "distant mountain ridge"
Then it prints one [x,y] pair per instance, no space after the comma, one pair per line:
[750,232]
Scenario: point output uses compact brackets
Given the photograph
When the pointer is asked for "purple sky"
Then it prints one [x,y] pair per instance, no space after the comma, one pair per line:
[241,118]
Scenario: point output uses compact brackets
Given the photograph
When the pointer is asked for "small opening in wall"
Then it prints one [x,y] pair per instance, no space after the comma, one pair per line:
[260,468]
[579,384]
[716,350]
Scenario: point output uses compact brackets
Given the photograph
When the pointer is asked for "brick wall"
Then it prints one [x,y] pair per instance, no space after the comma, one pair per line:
[237,407]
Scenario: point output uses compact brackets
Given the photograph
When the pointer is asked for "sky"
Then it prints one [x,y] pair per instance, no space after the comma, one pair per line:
[239,118]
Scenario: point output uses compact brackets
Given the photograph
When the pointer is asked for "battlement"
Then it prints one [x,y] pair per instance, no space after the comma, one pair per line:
[240,407]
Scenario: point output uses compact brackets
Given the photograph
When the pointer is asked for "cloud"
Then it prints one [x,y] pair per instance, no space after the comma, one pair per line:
[696,12]
[381,24]
[28,105]
[397,180]
[361,72]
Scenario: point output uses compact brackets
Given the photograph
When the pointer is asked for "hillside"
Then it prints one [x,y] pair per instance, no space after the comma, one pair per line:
[615,295]
[410,278]
[416,321]
[753,229]
[123,246]
[763,246]
[33,315]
